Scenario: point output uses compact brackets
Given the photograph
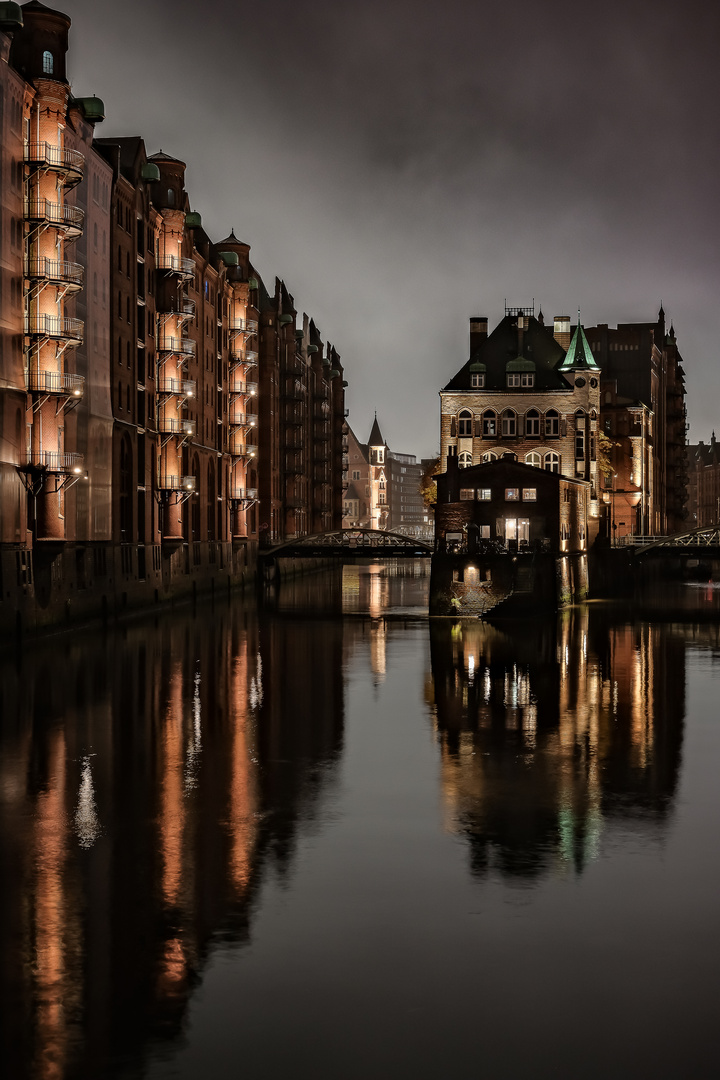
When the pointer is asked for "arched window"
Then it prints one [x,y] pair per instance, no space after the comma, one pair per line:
[534,458]
[532,422]
[464,461]
[552,462]
[489,423]
[552,423]
[48,63]
[171,197]
[489,455]
[509,423]
[465,424]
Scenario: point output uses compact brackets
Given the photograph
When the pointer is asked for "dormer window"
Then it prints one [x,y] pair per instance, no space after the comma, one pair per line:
[477,380]
[520,373]
[48,63]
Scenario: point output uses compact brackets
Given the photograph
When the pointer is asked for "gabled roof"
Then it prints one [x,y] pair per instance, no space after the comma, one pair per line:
[579,355]
[376,438]
[507,347]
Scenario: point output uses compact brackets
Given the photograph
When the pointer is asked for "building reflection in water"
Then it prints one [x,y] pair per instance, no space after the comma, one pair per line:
[551,731]
[142,797]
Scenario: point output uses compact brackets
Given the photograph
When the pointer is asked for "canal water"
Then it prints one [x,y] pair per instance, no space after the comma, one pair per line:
[330,838]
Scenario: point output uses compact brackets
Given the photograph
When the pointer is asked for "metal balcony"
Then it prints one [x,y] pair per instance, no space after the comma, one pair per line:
[176,483]
[55,270]
[68,218]
[174,264]
[57,463]
[182,346]
[249,389]
[184,387]
[44,155]
[55,382]
[244,450]
[175,426]
[53,326]
[243,493]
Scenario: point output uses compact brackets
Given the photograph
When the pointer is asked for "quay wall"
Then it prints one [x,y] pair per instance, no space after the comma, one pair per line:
[60,585]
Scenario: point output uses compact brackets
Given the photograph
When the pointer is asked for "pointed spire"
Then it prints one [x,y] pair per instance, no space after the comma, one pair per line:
[579,354]
[376,438]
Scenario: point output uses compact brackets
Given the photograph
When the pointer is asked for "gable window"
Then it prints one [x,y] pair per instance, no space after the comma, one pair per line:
[48,63]
[489,423]
[527,378]
[477,380]
[532,422]
[464,461]
[552,423]
[552,462]
[509,424]
[465,423]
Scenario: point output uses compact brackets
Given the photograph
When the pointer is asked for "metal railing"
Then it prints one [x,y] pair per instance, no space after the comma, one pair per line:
[54,326]
[247,326]
[184,346]
[57,462]
[55,382]
[186,387]
[175,264]
[173,426]
[70,273]
[55,157]
[243,493]
[176,483]
[60,214]
[242,449]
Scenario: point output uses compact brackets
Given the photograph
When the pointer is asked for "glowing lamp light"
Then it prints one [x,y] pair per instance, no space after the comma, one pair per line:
[77,470]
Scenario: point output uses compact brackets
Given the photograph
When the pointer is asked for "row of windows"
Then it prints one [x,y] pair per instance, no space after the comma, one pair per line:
[514,379]
[485,494]
[551,461]
[509,423]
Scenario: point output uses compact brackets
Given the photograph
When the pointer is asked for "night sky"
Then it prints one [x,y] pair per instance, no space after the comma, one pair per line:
[406,165]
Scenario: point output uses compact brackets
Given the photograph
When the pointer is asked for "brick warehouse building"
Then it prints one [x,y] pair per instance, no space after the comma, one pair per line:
[599,404]
[161,414]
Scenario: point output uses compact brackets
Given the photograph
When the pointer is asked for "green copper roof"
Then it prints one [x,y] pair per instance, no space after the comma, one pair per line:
[193,220]
[150,172]
[579,354]
[11,16]
[230,258]
[93,108]
[477,366]
[520,364]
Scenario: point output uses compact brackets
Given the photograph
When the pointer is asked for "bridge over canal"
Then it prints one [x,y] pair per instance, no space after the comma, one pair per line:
[348,543]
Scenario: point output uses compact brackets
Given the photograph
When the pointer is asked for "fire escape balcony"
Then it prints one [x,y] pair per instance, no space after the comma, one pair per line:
[70,164]
[242,421]
[293,390]
[294,462]
[175,264]
[53,326]
[237,491]
[55,382]
[61,216]
[181,346]
[176,483]
[245,389]
[243,326]
[176,426]
[184,388]
[55,271]
[242,449]
[55,462]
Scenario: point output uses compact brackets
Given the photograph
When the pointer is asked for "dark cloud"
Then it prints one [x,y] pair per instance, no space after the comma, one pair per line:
[406,165]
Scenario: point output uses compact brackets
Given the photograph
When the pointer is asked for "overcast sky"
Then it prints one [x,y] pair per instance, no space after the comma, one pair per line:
[404,165]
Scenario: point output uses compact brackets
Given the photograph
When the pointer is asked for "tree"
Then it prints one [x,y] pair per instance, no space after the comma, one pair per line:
[428,487]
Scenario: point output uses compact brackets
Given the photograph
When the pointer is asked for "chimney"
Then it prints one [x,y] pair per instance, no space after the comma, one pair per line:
[478,332]
[561,330]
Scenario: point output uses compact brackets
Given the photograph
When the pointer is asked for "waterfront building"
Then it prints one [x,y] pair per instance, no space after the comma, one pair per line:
[161,416]
[704,484]
[530,390]
[383,489]
[643,414]
[604,405]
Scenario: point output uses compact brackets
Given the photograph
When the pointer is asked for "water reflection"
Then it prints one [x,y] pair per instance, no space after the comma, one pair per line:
[153,779]
[144,794]
[551,730]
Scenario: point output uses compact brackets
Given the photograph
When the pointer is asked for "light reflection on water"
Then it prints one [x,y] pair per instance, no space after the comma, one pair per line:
[328,819]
